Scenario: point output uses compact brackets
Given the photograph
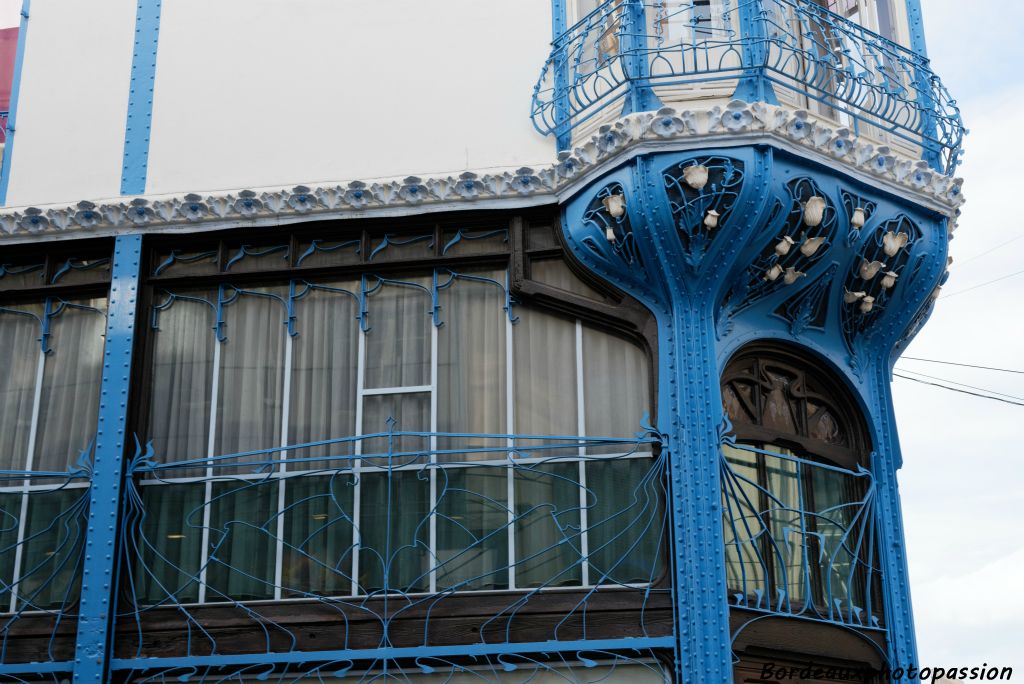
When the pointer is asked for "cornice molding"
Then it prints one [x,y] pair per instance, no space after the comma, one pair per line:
[739,123]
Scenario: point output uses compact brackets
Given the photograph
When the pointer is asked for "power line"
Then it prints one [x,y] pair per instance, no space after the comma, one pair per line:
[989,251]
[961,384]
[960,292]
[965,365]
[954,389]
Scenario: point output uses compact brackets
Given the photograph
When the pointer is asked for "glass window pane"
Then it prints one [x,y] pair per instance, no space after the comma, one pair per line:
[625,521]
[318,543]
[183,346]
[50,575]
[471,363]
[329,253]
[411,413]
[10,519]
[465,241]
[251,376]
[548,539]
[71,385]
[324,369]
[19,337]
[785,506]
[394,536]
[616,387]
[243,540]
[167,543]
[398,341]
[841,523]
[545,378]
[472,528]
[396,247]
[745,568]
[263,258]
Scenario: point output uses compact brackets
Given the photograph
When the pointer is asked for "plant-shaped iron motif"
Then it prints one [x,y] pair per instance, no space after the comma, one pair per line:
[702,194]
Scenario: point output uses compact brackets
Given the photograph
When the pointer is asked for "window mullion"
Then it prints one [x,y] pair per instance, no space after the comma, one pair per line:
[432,544]
[29,459]
[208,484]
[285,418]
[581,429]
[357,462]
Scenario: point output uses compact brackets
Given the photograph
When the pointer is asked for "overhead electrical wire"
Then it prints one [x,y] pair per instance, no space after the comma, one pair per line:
[975,287]
[989,251]
[961,391]
[961,384]
[964,365]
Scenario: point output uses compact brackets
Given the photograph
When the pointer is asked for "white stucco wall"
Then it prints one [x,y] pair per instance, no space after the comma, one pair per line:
[253,93]
[73,100]
[264,92]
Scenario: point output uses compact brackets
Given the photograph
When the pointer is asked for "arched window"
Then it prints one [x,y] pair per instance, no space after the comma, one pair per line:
[799,529]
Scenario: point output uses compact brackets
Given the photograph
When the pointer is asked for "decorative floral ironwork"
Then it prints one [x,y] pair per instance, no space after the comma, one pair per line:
[700,207]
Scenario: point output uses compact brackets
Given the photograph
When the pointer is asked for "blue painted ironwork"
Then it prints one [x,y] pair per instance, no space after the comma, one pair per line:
[11,119]
[786,45]
[709,303]
[140,98]
[625,553]
[822,555]
[99,578]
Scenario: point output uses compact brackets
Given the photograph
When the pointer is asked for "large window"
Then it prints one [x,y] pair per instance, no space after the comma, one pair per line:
[379,432]
[52,344]
[798,517]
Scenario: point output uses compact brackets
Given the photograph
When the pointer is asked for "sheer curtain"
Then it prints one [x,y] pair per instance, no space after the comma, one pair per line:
[545,376]
[547,530]
[71,385]
[179,414]
[471,362]
[252,374]
[615,382]
[324,370]
[19,338]
[472,528]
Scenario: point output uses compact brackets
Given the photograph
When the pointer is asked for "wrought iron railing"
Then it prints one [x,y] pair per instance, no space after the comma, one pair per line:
[800,537]
[518,553]
[631,52]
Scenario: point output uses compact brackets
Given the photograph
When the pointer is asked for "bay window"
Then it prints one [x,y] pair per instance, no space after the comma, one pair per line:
[388,432]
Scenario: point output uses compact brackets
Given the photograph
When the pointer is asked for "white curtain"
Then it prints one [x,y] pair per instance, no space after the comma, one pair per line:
[251,387]
[471,363]
[179,414]
[19,338]
[71,385]
[545,377]
[323,382]
[398,342]
[615,385]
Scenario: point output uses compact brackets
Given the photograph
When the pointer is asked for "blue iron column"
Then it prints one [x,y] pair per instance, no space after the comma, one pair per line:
[99,564]
[690,416]
[754,85]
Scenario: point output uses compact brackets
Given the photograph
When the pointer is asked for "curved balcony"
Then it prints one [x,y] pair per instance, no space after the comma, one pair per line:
[635,55]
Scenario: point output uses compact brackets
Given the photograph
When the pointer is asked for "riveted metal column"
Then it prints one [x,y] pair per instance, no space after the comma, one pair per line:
[99,566]
[138,124]
[753,85]
[563,136]
[690,416]
[635,56]
[899,614]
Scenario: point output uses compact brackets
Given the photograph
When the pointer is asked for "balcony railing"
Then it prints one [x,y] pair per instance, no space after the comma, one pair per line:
[800,538]
[629,54]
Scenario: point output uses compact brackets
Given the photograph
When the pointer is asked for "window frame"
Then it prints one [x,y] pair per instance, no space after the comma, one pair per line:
[620,315]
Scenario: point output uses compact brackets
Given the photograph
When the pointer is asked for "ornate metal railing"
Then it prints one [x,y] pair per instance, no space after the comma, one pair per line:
[800,538]
[511,553]
[42,538]
[629,53]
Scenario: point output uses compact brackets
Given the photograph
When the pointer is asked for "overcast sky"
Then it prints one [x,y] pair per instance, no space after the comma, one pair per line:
[963,475]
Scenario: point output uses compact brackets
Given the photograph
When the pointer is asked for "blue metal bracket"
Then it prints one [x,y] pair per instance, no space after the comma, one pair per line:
[140,98]
[641,97]
[754,86]
[12,114]
[98,574]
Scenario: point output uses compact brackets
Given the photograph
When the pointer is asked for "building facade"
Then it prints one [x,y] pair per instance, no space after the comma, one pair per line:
[338,344]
